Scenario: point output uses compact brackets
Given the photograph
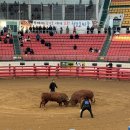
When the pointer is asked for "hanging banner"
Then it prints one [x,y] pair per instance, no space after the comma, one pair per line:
[70,23]
[2,24]
[116,22]
[26,23]
[81,25]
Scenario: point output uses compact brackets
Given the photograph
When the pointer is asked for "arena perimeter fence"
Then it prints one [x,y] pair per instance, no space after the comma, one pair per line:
[58,71]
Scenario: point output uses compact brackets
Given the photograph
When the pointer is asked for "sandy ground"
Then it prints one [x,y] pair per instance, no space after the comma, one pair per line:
[20,98]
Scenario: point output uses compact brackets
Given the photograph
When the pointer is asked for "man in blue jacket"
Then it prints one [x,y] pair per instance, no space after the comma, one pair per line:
[86,105]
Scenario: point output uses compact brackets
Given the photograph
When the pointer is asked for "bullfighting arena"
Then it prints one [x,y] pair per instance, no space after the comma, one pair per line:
[20,98]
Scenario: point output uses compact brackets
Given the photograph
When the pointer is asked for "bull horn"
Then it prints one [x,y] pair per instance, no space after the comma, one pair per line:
[93,100]
[68,99]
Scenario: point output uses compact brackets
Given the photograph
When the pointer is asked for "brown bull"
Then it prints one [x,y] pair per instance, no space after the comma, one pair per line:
[54,96]
[77,96]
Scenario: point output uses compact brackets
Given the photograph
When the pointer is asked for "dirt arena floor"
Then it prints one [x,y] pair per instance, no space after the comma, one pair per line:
[20,98]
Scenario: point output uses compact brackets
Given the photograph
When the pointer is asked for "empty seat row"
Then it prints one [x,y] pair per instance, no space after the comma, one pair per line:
[119,50]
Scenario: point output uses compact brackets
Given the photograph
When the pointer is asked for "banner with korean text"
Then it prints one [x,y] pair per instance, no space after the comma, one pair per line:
[70,23]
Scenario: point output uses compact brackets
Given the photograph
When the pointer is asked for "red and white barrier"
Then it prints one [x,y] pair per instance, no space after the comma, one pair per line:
[58,71]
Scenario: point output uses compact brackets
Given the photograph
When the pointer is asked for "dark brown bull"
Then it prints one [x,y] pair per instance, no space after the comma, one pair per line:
[77,96]
[54,96]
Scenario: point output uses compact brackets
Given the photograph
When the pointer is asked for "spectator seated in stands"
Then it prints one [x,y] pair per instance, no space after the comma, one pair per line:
[28,39]
[76,36]
[61,30]
[30,29]
[28,49]
[74,30]
[75,47]
[96,50]
[26,31]
[117,33]
[31,52]
[109,30]
[2,33]
[43,29]
[99,30]
[109,65]
[47,30]
[92,30]
[127,30]
[50,28]
[118,29]
[88,29]
[51,33]
[37,28]
[19,36]
[11,40]
[54,29]
[91,49]
[5,29]
[105,30]
[42,41]
[5,40]
[21,43]
[8,35]
[25,52]
[71,36]
[99,50]
[49,45]
[114,29]
[21,32]
[37,37]
[0,39]
[67,30]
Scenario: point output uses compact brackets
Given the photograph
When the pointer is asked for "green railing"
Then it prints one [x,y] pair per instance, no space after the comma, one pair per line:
[16,46]
[104,13]
[105,46]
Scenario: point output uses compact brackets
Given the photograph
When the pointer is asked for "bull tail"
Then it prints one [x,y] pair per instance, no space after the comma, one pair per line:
[40,104]
[93,99]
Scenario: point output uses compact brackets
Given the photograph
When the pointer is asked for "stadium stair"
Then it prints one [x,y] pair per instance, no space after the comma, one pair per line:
[16,46]
[105,48]
[104,13]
